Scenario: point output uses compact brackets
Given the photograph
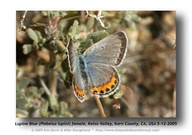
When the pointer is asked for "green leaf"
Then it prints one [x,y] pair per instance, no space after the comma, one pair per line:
[27,48]
[62,107]
[43,40]
[53,102]
[31,33]
[73,29]
[122,71]
[90,23]
[40,91]
[38,33]
[32,91]
[21,111]
[44,109]
[23,83]
[61,25]
[61,47]
[86,43]
[53,45]
[22,102]
[130,19]
[35,47]
[62,13]
[97,36]
[120,93]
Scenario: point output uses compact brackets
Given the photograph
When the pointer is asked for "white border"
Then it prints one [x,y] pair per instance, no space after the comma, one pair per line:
[7,68]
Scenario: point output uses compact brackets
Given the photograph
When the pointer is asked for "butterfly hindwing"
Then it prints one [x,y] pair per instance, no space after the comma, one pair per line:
[104,80]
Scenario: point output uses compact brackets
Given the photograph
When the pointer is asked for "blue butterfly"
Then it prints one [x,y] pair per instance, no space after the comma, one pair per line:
[94,71]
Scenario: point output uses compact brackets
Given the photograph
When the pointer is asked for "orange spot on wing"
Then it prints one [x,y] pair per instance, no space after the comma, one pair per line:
[78,91]
[103,88]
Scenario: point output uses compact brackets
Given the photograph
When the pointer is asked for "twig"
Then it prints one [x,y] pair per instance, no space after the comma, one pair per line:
[44,86]
[23,27]
[100,107]
[52,84]
[97,17]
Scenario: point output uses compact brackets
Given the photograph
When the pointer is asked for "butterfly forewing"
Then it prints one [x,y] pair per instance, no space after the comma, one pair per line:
[110,50]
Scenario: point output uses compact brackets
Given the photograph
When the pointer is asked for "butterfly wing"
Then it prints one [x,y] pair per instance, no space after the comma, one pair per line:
[110,50]
[79,84]
[98,75]
[72,55]
[104,79]
[76,64]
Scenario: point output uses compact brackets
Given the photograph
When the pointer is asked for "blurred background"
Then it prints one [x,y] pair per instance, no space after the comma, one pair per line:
[148,73]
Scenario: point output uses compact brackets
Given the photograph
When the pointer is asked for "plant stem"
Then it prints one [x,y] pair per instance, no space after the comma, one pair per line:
[44,86]
[100,107]
[53,82]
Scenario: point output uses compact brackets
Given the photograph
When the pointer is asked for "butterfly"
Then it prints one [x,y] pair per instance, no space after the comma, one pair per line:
[94,71]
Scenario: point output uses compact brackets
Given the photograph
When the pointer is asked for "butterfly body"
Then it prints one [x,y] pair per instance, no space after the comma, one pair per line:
[94,71]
